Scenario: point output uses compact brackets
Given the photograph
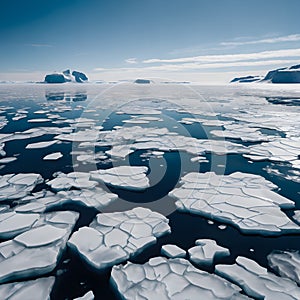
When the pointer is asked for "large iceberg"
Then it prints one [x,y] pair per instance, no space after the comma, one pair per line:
[170,279]
[115,237]
[66,76]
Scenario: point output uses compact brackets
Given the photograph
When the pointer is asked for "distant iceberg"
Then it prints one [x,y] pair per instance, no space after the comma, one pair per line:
[282,75]
[66,76]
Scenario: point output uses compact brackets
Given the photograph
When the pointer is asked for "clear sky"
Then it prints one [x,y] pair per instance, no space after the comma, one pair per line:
[193,40]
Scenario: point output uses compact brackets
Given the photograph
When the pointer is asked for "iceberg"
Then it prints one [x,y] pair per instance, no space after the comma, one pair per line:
[115,237]
[66,76]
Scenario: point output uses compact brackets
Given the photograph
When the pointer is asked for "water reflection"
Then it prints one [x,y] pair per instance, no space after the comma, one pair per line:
[66,96]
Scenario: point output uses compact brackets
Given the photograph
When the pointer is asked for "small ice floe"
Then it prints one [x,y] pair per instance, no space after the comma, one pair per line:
[199,159]
[16,186]
[242,132]
[36,251]
[64,181]
[115,237]
[88,296]
[120,151]
[38,289]
[170,279]
[257,281]
[53,156]
[206,251]
[18,117]
[296,216]
[241,199]
[38,120]
[40,145]
[7,160]
[205,122]
[286,264]
[172,251]
[88,157]
[88,135]
[126,177]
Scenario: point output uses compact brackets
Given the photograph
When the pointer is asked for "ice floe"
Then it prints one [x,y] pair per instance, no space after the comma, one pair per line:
[36,251]
[167,279]
[128,177]
[173,251]
[40,145]
[16,186]
[241,199]
[88,296]
[115,237]
[53,156]
[257,281]
[206,251]
[38,289]
[286,264]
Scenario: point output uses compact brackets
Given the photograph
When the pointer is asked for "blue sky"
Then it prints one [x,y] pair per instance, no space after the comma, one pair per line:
[195,40]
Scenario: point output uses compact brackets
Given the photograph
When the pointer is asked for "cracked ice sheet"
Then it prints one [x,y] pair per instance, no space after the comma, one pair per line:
[16,186]
[286,264]
[38,289]
[206,251]
[257,281]
[115,237]
[241,199]
[139,138]
[36,251]
[167,279]
[41,201]
[281,149]
[126,177]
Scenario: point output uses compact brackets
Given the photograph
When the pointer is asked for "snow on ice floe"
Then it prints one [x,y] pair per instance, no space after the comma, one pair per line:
[38,289]
[39,202]
[36,251]
[257,281]
[16,186]
[7,160]
[166,279]
[53,156]
[286,264]
[115,237]
[128,177]
[206,251]
[88,296]
[241,199]
[172,251]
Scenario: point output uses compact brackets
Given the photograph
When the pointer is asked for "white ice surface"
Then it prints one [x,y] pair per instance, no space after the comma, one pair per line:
[38,289]
[36,251]
[88,296]
[170,279]
[241,199]
[258,282]
[115,237]
[172,251]
[53,156]
[206,251]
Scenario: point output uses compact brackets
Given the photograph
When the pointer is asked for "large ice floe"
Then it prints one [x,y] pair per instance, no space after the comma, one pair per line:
[241,199]
[36,251]
[16,186]
[128,177]
[167,279]
[38,289]
[115,237]
[286,264]
[257,281]
[206,251]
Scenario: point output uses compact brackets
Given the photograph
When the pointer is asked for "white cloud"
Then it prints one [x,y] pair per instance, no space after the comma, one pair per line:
[287,38]
[132,60]
[229,57]
[37,45]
